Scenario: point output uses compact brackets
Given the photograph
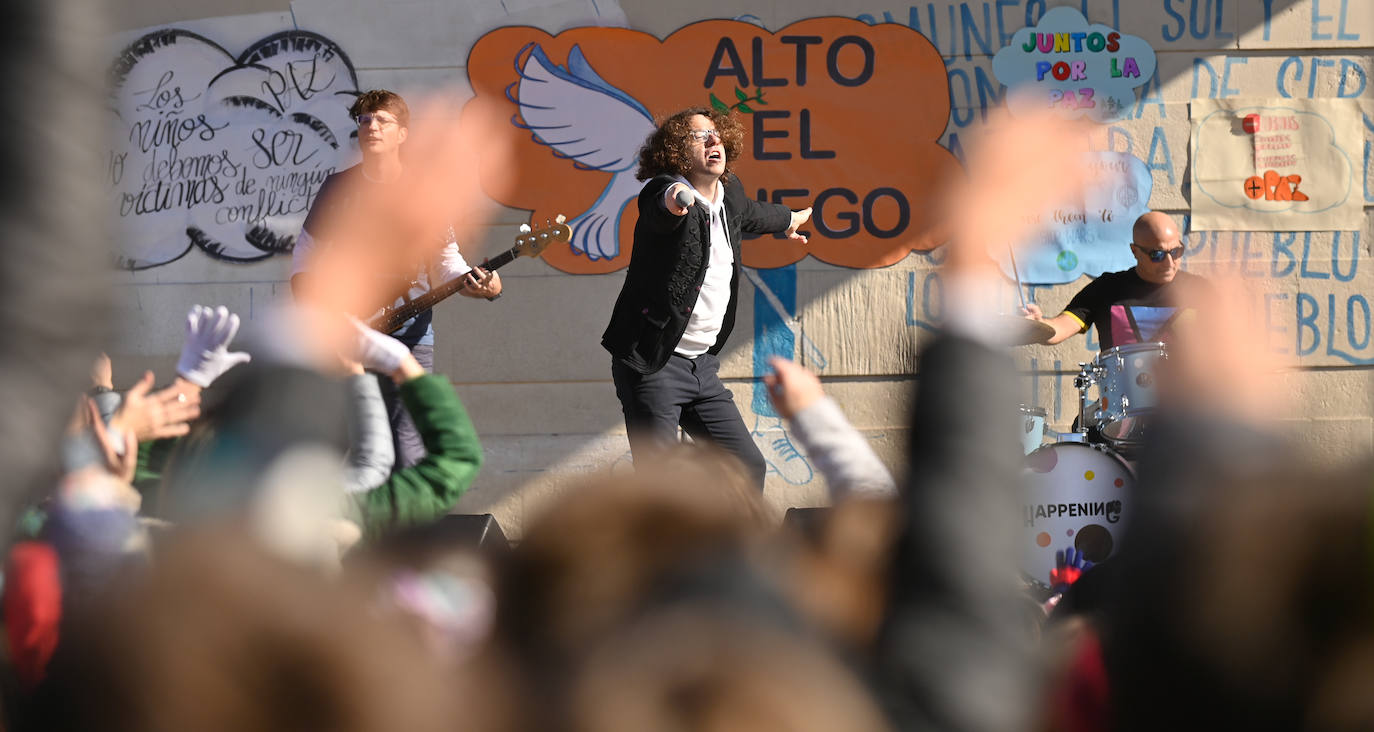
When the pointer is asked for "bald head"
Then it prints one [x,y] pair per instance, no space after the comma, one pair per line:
[1155,230]
[1154,235]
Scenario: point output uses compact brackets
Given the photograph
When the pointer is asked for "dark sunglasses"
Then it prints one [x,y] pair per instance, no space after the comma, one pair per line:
[1158,255]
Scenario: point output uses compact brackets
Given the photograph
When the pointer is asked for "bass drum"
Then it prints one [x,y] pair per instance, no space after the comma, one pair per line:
[1075,495]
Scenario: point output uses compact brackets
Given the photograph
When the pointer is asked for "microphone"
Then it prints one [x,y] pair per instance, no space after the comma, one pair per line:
[683,198]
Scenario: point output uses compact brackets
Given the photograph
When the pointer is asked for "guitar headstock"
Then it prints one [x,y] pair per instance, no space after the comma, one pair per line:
[532,241]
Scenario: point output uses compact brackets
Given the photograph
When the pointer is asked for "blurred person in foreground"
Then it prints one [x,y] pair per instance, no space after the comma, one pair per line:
[629,601]
[55,281]
[221,634]
[954,651]
[412,261]
[274,447]
[677,306]
[1241,593]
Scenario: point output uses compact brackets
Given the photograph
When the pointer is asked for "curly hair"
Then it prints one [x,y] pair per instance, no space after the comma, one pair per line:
[667,149]
[381,99]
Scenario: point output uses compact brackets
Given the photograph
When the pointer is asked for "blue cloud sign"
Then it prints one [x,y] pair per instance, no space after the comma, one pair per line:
[1074,67]
[1093,235]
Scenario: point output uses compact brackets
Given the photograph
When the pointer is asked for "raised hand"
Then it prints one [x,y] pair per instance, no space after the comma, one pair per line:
[798,218]
[791,388]
[205,355]
[381,353]
[1069,565]
[164,413]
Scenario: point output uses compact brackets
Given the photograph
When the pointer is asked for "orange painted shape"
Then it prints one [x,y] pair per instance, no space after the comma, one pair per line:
[880,113]
[1295,194]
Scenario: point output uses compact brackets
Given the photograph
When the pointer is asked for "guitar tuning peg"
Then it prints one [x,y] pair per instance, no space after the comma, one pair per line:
[560,218]
[524,228]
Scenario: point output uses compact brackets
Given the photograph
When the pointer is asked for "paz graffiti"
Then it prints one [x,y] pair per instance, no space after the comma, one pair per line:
[220,153]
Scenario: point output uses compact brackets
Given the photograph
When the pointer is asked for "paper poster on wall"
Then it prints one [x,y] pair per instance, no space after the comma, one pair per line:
[1092,235]
[838,115]
[1077,68]
[220,152]
[1276,165]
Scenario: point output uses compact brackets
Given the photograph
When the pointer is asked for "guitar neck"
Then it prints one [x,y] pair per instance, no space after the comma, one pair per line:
[457,284]
[393,318]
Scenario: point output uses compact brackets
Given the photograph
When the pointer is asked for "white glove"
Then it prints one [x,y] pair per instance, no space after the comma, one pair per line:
[376,351]
[205,355]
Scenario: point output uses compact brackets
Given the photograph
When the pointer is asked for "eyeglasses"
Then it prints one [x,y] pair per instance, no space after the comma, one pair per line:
[703,135]
[365,120]
[1158,255]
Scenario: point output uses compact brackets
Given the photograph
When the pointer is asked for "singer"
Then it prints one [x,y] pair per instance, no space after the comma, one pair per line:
[677,306]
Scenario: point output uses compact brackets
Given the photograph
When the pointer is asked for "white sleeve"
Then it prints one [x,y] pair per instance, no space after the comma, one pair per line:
[301,253]
[451,264]
[371,453]
[841,454]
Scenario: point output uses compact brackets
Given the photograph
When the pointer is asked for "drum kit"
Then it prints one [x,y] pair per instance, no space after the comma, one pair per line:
[1077,486]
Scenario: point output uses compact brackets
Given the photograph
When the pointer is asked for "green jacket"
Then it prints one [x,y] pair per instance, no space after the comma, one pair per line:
[427,490]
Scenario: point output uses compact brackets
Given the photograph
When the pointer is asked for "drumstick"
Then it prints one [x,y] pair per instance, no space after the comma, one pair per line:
[1011,253]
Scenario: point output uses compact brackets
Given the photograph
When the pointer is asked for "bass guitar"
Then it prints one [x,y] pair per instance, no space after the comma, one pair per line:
[531,242]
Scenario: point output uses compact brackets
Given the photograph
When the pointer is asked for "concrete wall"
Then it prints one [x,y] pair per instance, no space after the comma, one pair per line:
[530,368]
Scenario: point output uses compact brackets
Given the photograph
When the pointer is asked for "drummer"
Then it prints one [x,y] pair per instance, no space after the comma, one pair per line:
[1141,304]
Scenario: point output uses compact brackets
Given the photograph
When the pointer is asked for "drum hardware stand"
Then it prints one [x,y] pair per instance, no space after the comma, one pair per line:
[1088,375]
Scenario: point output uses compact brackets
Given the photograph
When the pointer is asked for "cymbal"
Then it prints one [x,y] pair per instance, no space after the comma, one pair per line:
[1014,330]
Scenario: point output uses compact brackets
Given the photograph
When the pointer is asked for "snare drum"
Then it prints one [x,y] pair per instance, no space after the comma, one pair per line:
[1126,378]
[1032,428]
[1075,495]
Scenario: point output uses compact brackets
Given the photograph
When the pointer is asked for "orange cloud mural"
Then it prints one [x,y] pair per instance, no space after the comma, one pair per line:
[840,115]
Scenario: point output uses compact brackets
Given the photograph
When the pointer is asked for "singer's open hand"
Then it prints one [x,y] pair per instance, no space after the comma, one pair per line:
[798,218]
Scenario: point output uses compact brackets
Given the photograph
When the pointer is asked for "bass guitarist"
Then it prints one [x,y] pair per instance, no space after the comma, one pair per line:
[383,124]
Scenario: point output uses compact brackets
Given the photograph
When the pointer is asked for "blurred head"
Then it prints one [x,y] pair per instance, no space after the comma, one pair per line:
[683,146]
[615,544]
[268,450]
[694,671]
[1156,237]
[843,569]
[222,636]
[1248,604]
[383,121]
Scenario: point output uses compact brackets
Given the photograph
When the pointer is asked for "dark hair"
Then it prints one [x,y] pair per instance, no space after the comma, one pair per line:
[380,99]
[666,149]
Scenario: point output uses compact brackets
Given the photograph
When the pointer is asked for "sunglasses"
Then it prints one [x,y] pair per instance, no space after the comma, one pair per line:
[1158,255]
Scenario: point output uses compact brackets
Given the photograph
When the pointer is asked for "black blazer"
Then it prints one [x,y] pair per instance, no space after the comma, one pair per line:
[667,267]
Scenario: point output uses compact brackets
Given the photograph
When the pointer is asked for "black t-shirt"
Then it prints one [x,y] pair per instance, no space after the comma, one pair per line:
[1126,309]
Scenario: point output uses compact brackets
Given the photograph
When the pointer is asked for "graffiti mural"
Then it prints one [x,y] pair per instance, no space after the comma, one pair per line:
[222,153]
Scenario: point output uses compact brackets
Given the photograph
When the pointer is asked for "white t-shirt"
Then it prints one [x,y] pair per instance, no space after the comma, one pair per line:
[708,314]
